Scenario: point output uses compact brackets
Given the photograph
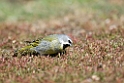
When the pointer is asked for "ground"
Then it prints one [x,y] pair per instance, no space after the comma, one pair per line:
[96,28]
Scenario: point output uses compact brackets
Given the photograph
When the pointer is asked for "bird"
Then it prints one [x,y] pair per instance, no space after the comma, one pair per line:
[49,45]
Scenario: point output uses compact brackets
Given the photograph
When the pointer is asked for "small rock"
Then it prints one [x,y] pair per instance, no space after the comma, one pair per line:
[95,77]
[14,41]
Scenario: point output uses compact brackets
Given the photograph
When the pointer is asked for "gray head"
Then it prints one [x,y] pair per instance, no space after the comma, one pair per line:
[65,40]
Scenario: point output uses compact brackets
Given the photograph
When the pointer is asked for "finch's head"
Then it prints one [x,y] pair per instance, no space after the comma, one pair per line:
[65,40]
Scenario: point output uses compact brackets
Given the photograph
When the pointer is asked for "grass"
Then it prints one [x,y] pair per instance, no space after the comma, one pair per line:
[96,28]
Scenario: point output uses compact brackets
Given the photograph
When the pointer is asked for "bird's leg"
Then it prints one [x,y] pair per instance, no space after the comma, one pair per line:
[59,54]
[63,52]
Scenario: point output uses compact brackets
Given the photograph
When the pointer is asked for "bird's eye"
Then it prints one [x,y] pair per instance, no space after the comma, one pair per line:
[69,41]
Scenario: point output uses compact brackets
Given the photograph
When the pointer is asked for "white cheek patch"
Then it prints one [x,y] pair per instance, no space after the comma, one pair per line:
[62,42]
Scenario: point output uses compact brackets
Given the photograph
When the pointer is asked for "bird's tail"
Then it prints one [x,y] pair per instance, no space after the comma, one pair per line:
[25,50]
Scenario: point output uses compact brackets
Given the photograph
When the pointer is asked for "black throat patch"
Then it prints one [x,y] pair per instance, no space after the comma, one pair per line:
[65,46]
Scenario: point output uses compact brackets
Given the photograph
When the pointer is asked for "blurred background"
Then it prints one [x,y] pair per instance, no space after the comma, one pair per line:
[31,10]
